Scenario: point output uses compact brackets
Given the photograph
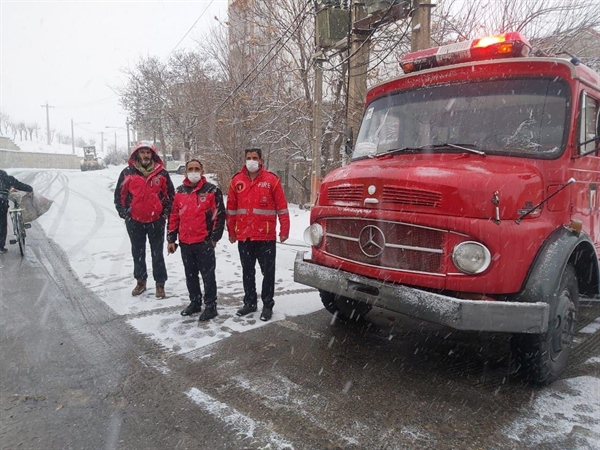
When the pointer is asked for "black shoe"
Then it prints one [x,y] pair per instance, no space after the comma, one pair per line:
[193,308]
[266,314]
[246,309]
[3,250]
[209,313]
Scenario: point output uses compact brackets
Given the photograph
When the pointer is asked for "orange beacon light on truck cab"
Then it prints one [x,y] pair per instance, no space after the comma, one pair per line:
[508,45]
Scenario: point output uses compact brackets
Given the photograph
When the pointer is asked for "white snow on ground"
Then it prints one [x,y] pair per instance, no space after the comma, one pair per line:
[591,327]
[247,428]
[570,406]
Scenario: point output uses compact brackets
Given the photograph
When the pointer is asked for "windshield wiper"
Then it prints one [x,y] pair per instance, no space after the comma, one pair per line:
[471,148]
[465,147]
[396,151]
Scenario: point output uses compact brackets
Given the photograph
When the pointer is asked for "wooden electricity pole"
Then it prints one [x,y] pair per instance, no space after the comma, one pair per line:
[317,134]
[421,25]
[358,65]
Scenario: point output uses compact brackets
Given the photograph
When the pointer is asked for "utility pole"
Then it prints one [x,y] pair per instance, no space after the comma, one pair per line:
[315,179]
[128,141]
[358,65]
[421,25]
[72,137]
[102,141]
[73,133]
[47,120]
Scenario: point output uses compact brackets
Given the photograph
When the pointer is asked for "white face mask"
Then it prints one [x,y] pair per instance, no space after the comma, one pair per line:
[252,166]
[194,177]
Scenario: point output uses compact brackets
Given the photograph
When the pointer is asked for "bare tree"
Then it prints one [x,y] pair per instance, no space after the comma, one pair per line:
[144,97]
[4,123]
[31,128]
[22,130]
[455,20]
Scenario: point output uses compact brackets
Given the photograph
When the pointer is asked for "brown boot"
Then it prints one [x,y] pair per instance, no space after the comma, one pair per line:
[140,287]
[160,290]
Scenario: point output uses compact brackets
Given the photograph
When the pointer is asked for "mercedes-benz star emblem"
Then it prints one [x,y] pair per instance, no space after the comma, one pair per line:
[371,241]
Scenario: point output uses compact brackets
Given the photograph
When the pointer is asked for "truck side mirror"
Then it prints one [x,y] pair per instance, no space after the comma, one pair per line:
[349,144]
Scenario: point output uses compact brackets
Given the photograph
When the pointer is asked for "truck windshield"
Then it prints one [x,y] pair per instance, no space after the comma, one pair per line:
[516,117]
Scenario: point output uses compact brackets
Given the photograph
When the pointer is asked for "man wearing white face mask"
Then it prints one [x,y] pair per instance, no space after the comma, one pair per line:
[198,219]
[254,203]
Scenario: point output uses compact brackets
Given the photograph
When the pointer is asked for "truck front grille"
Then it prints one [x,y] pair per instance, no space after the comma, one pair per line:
[403,196]
[346,193]
[389,245]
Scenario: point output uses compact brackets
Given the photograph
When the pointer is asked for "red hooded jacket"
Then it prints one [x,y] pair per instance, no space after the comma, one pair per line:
[144,199]
[254,205]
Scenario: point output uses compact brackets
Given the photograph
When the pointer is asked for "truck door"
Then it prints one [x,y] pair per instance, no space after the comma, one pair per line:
[587,166]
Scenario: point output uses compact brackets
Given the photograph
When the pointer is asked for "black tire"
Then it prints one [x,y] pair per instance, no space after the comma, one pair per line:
[20,233]
[543,357]
[343,307]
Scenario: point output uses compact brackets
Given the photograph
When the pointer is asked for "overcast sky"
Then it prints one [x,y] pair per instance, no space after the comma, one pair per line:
[71,55]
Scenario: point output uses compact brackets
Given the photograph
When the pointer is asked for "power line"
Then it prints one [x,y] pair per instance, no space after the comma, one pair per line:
[255,68]
[191,28]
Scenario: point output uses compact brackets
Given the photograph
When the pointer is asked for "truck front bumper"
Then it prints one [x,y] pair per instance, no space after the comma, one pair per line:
[497,316]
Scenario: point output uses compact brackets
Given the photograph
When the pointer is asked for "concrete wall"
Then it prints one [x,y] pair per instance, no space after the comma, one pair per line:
[10,158]
[7,143]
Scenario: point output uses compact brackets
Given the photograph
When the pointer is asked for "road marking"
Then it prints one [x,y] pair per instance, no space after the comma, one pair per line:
[245,426]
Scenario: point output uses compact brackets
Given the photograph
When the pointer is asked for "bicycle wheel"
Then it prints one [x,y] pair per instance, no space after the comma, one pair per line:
[20,233]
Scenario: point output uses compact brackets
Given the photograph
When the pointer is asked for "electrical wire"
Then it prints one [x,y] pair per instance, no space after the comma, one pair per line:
[188,31]
[258,65]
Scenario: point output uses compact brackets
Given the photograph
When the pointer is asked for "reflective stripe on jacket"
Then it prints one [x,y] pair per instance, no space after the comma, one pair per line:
[253,207]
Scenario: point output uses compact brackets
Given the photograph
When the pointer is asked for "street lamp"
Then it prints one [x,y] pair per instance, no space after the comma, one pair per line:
[118,128]
[73,133]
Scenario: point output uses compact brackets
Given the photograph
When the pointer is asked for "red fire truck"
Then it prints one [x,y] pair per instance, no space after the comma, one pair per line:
[470,199]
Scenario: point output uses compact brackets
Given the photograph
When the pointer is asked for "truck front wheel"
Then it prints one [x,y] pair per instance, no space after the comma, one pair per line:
[543,357]
[345,308]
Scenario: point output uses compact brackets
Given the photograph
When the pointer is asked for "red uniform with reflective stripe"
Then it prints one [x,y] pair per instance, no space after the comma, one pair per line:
[254,205]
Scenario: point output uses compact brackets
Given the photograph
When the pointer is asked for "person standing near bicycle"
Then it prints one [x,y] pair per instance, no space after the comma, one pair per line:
[7,182]
[144,197]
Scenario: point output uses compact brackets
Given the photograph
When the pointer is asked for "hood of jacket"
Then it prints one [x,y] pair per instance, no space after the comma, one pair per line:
[158,163]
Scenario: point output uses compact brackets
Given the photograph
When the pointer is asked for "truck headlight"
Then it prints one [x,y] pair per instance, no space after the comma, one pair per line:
[471,257]
[313,235]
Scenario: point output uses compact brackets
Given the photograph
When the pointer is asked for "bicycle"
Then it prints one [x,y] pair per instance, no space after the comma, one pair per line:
[19,226]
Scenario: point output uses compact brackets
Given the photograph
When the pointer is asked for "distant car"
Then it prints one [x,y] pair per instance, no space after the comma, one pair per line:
[174,166]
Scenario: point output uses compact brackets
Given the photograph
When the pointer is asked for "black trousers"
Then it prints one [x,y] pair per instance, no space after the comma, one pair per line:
[3,222]
[200,258]
[264,253]
[155,231]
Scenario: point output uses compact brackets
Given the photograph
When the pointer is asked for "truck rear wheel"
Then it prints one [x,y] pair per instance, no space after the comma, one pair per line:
[345,308]
[543,357]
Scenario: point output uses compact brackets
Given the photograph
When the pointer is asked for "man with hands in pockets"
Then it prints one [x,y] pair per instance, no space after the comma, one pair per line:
[143,197]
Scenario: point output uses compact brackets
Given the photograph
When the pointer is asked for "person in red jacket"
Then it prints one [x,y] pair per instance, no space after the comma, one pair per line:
[143,197]
[198,219]
[254,202]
